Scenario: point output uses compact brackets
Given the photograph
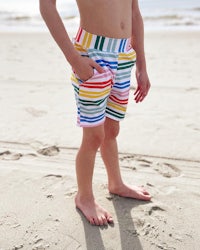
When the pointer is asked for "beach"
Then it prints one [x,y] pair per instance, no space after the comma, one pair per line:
[159,148]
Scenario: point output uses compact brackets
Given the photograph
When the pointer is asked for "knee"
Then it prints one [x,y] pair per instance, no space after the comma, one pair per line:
[94,138]
[111,131]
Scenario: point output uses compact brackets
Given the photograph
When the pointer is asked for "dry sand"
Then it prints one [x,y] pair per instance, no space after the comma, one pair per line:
[159,145]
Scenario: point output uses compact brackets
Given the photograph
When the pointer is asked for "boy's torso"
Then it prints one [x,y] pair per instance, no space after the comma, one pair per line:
[110,18]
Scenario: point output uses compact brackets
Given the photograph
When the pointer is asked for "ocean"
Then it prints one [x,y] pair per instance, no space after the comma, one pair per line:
[24,15]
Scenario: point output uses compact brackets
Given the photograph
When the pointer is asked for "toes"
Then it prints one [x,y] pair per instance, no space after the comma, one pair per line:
[91,220]
[146,197]
[104,220]
[143,190]
[96,222]
[109,218]
[100,221]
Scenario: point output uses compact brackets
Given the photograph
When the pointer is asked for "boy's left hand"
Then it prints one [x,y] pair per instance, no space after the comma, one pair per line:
[143,86]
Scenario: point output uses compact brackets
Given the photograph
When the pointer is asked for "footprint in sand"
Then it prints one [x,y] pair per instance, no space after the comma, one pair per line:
[127,162]
[167,170]
[192,126]
[49,151]
[7,155]
[54,175]
[192,89]
[35,236]
[155,208]
[35,112]
[144,163]
[71,193]
[126,158]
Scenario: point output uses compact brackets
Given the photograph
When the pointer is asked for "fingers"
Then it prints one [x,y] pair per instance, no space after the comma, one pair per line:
[139,96]
[97,66]
[141,92]
[142,87]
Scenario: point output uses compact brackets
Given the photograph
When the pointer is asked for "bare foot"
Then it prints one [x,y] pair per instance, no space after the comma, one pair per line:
[94,213]
[134,192]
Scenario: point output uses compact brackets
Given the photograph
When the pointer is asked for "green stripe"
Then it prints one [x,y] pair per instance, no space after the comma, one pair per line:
[126,66]
[102,54]
[114,113]
[102,42]
[109,44]
[114,45]
[97,42]
[76,89]
[91,103]
[95,110]
[126,63]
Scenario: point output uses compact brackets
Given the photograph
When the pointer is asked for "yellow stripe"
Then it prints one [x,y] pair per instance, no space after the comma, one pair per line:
[116,106]
[79,48]
[123,56]
[93,94]
[89,41]
[73,78]
[85,39]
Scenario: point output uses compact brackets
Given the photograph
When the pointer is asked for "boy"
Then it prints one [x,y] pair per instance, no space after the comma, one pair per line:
[102,57]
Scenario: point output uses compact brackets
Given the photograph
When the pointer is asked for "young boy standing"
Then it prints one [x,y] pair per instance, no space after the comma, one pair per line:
[102,55]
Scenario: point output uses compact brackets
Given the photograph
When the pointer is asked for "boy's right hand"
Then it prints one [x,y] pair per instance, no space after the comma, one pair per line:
[84,68]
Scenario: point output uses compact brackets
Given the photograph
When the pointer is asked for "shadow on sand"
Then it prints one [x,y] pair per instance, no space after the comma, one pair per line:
[125,229]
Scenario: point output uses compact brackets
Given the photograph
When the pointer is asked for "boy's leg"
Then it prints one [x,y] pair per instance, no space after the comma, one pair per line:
[109,152]
[92,139]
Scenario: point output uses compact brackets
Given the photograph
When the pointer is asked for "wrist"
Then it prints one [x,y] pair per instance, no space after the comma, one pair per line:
[140,68]
[140,63]
[73,58]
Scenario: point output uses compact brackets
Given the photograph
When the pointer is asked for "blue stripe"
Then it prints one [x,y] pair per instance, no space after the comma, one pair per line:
[122,85]
[120,47]
[112,65]
[91,119]
[108,62]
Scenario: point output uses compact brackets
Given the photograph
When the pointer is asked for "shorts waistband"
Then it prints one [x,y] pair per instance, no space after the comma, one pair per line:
[88,40]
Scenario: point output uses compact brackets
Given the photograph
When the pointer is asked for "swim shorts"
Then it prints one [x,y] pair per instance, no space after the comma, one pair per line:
[104,94]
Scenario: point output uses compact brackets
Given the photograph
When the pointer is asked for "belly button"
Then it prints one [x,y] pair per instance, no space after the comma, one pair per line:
[122,25]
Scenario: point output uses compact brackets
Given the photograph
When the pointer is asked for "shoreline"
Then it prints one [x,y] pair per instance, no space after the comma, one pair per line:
[179,29]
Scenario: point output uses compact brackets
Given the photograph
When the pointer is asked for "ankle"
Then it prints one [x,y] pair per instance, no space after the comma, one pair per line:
[115,187]
[84,197]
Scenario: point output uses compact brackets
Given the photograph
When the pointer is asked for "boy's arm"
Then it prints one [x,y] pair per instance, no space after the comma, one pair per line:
[81,65]
[138,45]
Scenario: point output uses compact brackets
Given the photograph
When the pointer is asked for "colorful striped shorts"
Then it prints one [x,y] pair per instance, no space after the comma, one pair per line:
[104,94]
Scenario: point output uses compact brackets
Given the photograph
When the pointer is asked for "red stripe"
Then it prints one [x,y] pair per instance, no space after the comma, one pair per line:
[101,84]
[115,99]
[79,35]
[95,86]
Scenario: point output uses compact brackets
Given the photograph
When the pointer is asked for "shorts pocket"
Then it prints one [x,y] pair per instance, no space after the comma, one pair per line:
[97,88]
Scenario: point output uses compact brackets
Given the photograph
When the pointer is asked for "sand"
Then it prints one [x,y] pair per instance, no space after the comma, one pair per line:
[159,148]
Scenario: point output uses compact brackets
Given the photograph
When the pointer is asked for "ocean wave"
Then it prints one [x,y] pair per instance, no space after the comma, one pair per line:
[15,16]
[185,23]
[18,18]
[196,9]
[173,20]
[162,17]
